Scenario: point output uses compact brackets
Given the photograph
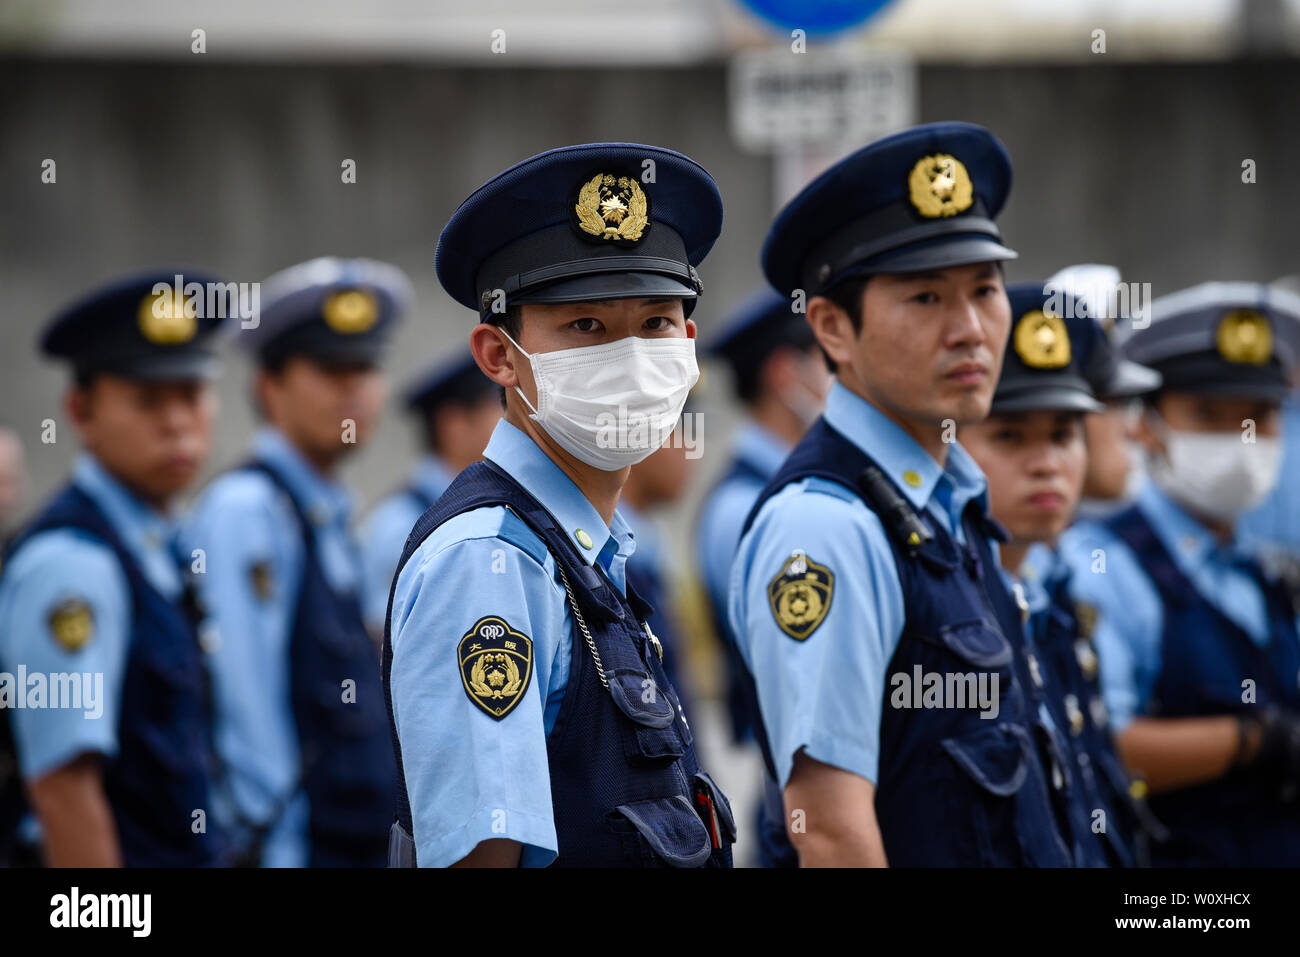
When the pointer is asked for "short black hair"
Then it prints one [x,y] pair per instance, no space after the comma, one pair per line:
[847,294]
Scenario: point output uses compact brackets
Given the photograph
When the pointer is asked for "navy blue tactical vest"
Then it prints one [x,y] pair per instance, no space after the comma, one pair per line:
[161,773]
[953,788]
[741,706]
[1238,819]
[626,788]
[347,761]
[1074,702]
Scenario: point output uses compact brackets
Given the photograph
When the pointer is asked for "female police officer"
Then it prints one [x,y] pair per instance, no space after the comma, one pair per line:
[533,718]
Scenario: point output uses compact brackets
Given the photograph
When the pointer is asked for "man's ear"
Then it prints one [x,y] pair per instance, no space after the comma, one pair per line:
[1147,433]
[833,329]
[78,405]
[491,351]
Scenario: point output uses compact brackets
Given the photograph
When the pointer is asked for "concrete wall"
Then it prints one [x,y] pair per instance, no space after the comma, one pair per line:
[236,167]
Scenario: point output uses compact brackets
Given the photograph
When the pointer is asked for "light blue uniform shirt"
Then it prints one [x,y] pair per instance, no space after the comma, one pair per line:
[1276,520]
[470,777]
[1130,614]
[824,694]
[244,522]
[724,512]
[65,565]
[383,535]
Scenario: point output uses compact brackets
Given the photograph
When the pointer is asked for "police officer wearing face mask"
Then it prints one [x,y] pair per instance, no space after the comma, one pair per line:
[1198,647]
[868,572]
[532,715]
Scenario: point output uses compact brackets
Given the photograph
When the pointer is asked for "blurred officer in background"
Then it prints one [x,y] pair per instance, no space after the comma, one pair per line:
[308,774]
[656,482]
[1033,451]
[13,482]
[534,721]
[868,562]
[96,588]
[779,375]
[1199,654]
[1114,456]
[456,407]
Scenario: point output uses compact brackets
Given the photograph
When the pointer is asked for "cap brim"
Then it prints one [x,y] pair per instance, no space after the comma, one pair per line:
[955,251]
[1057,398]
[178,368]
[597,288]
[1131,379]
[336,352]
[1238,389]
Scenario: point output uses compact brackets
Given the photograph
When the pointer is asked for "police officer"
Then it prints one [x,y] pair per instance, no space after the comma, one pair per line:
[308,775]
[779,376]
[657,482]
[1198,647]
[456,408]
[1032,448]
[96,591]
[534,721]
[867,573]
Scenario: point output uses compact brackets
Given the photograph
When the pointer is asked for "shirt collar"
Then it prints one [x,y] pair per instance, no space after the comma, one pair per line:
[761,448]
[146,533]
[901,457]
[1190,543]
[325,502]
[431,476]
[532,468]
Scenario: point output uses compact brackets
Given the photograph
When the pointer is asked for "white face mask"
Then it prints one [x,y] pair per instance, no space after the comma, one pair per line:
[1216,473]
[614,404]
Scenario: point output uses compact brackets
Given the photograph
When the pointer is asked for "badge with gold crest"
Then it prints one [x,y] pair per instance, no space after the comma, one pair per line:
[164,319]
[1041,340]
[611,208]
[496,664]
[1244,335]
[72,623]
[939,186]
[800,595]
[351,311]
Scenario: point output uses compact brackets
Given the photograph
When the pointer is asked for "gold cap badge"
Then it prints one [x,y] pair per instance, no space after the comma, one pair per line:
[1041,340]
[1245,336]
[940,186]
[612,207]
[71,624]
[351,311]
[164,320]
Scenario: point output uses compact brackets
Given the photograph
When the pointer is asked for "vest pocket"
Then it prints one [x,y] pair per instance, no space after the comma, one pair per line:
[663,832]
[651,733]
[993,760]
[976,642]
[715,810]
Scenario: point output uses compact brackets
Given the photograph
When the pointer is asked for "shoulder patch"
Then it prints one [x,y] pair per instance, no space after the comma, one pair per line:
[496,664]
[72,624]
[261,580]
[800,595]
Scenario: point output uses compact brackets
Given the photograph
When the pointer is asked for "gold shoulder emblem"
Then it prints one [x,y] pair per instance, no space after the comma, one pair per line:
[351,311]
[1245,336]
[612,207]
[1041,340]
[496,664]
[164,320]
[940,186]
[72,623]
[800,595]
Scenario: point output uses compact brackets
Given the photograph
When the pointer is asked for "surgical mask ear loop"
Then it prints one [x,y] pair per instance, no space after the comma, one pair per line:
[529,357]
